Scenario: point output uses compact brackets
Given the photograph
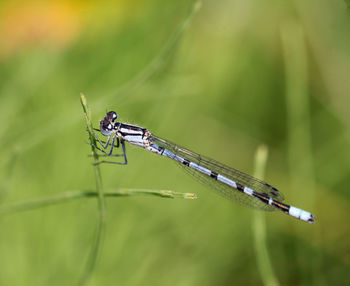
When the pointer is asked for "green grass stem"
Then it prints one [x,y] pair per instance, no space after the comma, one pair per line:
[73,195]
[259,227]
[97,242]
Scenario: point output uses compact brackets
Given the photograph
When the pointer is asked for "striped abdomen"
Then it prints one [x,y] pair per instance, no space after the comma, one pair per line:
[244,190]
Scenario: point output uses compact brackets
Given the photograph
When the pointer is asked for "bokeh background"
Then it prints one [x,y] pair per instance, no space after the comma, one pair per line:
[220,80]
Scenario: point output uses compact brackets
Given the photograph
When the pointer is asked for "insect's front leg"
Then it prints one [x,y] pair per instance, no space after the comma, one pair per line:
[106,146]
[122,141]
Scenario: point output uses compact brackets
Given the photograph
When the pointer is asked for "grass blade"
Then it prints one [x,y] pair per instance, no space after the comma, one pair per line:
[259,227]
[101,203]
[79,194]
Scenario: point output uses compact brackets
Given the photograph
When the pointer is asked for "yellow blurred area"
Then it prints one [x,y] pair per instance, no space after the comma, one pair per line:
[55,24]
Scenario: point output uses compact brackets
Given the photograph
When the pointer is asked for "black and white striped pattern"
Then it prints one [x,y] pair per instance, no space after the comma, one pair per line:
[293,211]
[229,182]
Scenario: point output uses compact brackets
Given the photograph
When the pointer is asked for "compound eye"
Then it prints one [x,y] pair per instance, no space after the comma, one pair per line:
[112,115]
[106,127]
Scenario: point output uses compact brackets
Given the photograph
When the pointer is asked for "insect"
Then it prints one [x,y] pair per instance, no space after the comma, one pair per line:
[226,181]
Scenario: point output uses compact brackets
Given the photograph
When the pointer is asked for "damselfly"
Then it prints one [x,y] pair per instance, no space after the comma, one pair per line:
[228,182]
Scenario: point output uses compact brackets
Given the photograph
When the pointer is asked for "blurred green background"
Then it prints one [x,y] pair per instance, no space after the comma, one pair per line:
[237,75]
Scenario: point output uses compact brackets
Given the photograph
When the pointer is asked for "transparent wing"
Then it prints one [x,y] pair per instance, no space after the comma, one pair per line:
[224,190]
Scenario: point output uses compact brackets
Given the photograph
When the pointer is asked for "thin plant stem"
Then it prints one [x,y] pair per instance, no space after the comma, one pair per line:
[97,243]
[73,195]
[259,227]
